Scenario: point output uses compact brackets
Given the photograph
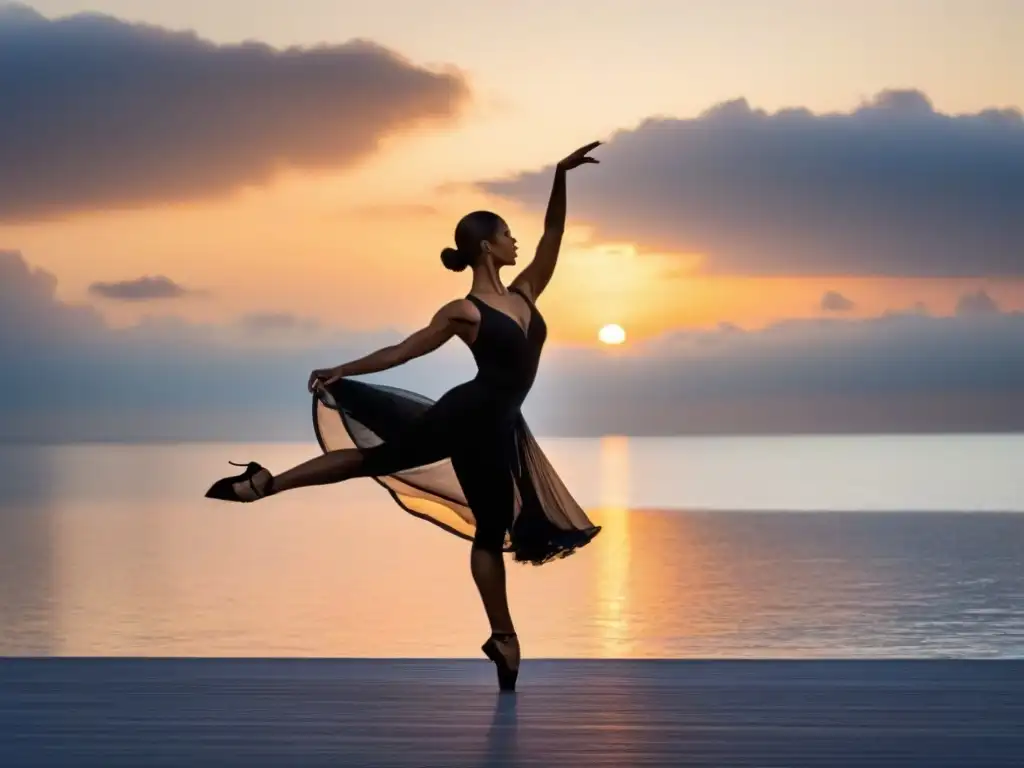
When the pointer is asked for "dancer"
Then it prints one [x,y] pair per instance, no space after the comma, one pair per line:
[468,462]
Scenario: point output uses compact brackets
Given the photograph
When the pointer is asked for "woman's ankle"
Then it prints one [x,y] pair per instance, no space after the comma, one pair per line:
[266,487]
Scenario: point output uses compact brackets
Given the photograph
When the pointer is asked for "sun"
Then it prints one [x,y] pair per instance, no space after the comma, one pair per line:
[611,334]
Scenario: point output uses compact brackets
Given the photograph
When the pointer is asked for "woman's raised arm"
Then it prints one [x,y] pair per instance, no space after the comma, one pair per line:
[535,278]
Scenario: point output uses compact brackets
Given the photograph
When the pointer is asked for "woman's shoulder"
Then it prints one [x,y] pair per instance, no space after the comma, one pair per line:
[462,309]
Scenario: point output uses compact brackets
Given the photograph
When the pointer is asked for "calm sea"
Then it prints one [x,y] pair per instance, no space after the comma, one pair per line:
[712,547]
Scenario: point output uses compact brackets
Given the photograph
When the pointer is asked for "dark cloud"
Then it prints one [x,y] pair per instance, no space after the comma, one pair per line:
[977,303]
[30,312]
[894,188]
[144,288]
[66,376]
[903,371]
[101,113]
[833,301]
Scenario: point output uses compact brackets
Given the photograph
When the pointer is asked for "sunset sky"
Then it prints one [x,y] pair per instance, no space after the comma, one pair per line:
[798,201]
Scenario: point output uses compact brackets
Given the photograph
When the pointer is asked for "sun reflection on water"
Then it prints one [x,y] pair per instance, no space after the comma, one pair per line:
[613,605]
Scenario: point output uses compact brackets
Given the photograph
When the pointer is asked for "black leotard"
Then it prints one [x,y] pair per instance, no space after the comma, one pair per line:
[516,500]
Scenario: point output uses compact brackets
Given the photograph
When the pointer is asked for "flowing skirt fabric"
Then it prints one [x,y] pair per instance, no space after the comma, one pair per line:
[456,463]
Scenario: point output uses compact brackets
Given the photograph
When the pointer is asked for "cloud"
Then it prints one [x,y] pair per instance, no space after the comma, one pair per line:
[67,376]
[893,188]
[127,115]
[833,301]
[144,288]
[901,372]
[977,303]
[30,312]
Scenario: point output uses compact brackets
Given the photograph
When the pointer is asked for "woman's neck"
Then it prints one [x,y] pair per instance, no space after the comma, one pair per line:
[486,280]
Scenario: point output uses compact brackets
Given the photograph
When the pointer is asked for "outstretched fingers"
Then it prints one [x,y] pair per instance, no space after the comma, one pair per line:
[579,157]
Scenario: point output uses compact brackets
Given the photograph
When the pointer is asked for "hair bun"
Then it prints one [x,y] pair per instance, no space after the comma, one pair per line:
[454,260]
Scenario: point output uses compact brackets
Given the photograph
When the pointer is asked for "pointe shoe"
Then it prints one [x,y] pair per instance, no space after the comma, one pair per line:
[241,487]
[507,675]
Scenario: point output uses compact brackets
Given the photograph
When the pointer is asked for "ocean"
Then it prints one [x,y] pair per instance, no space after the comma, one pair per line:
[718,547]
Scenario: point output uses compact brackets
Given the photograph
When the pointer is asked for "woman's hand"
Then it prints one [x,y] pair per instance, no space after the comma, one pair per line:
[323,375]
[579,157]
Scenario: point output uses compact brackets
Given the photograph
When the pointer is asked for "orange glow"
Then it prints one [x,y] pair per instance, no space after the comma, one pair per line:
[305,248]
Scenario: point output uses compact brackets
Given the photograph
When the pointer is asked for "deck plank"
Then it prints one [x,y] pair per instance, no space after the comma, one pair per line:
[398,713]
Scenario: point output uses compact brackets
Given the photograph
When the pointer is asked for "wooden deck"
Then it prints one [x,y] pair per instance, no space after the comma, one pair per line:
[349,713]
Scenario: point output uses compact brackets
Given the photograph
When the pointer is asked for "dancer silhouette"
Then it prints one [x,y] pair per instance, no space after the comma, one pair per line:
[467,462]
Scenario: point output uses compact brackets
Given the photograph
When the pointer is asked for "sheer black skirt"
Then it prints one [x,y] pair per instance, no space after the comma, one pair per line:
[464,463]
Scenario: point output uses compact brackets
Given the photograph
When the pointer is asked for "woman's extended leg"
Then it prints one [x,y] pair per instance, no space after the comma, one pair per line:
[257,482]
[423,441]
[332,467]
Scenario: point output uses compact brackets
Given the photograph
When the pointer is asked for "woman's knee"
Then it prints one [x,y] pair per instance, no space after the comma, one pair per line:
[489,539]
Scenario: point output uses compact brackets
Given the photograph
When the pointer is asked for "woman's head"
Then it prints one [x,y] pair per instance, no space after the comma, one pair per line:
[480,235]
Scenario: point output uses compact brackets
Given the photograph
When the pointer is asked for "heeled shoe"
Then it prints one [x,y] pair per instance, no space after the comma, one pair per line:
[241,487]
[507,675]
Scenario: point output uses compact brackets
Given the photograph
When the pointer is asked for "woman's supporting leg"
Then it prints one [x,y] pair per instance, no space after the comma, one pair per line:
[488,569]
[486,479]
[487,563]
[502,647]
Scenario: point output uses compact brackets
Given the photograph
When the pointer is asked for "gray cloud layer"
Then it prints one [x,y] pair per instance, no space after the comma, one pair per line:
[67,376]
[977,303]
[101,113]
[894,188]
[145,288]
